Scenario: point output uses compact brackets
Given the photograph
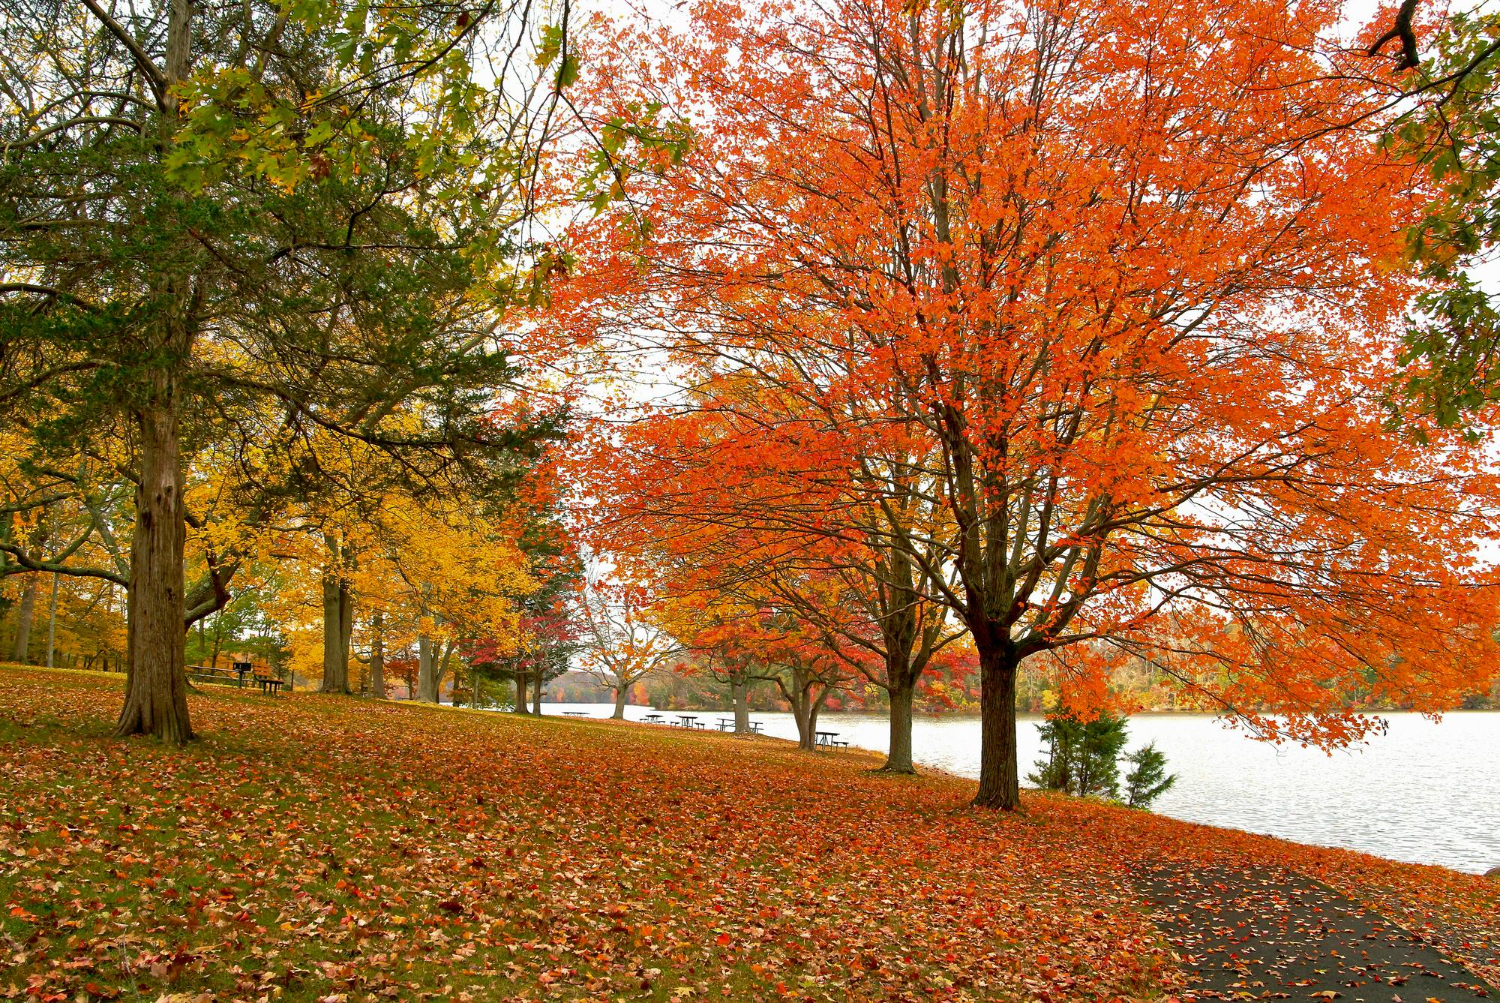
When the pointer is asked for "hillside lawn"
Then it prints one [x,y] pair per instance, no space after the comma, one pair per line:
[323,848]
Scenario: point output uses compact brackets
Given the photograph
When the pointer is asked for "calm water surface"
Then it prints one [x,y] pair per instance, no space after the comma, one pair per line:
[1426,792]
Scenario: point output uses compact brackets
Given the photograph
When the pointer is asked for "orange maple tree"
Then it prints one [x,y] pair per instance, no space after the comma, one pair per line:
[1097,284]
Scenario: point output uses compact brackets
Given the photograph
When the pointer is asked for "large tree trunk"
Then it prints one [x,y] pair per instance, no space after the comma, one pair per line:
[802,712]
[622,693]
[377,656]
[536,693]
[999,781]
[899,759]
[337,608]
[156,684]
[520,707]
[25,613]
[426,671]
[741,691]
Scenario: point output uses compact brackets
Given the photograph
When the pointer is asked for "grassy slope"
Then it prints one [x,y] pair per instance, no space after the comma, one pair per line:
[319,848]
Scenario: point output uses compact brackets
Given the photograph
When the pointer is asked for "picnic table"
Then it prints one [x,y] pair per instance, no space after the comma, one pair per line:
[654,718]
[726,724]
[829,740]
[575,713]
[757,728]
[269,684]
[216,674]
[688,721]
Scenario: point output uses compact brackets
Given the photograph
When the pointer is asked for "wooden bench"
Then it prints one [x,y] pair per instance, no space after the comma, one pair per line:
[269,685]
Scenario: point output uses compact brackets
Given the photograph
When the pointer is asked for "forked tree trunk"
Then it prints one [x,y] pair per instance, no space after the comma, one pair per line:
[156,683]
[25,613]
[999,781]
[622,693]
[377,656]
[440,664]
[741,690]
[898,760]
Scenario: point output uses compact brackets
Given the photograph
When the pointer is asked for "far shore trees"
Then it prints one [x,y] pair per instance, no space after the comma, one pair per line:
[1100,279]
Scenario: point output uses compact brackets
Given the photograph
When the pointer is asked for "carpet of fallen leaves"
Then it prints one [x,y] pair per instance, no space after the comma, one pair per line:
[319,848]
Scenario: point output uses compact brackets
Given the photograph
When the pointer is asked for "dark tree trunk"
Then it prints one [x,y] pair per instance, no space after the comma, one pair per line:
[536,693]
[520,707]
[741,690]
[807,723]
[899,758]
[25,614]
[346,627]
[336,609]
[156,684]
[622,692]
[377,656]
[999,781]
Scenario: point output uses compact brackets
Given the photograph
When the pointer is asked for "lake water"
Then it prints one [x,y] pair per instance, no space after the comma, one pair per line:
[1426,792]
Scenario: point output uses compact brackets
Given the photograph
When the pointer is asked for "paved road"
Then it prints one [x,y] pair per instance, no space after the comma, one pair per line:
[1269,934]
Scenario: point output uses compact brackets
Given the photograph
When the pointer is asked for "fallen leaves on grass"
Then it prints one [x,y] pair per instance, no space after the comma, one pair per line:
[330,849]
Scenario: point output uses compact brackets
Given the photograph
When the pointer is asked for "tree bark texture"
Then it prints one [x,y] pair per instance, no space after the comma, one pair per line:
[338,609]
[741,691]
[999,781]
[156,688]
[25,614]
[898,760]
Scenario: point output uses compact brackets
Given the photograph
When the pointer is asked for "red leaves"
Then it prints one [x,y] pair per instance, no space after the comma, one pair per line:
[348,866]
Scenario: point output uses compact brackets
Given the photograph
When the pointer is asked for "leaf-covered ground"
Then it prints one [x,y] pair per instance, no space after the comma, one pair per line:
[312,848]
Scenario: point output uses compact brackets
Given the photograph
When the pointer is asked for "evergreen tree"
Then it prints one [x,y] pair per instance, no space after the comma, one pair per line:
[1082,756]
[1148,778]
